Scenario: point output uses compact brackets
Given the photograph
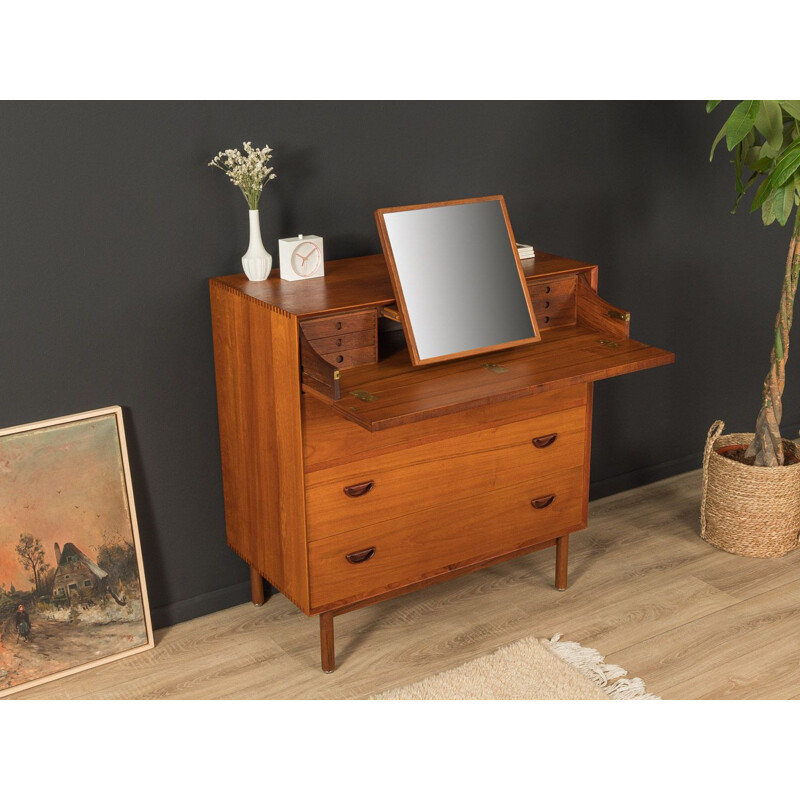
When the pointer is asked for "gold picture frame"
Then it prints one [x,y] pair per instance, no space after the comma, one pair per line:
[72,587]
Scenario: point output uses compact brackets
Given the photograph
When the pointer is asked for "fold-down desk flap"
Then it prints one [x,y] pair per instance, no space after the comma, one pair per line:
[393,392]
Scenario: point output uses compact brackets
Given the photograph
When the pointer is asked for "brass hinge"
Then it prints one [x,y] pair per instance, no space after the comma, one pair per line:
[609,343]
[494,368]
[625,316]
[365,396]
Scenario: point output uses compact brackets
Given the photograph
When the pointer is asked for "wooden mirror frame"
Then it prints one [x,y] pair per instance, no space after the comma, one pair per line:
[398,288]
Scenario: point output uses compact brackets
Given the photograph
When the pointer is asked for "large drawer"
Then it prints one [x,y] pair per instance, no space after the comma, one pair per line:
[384,556]
[391,485]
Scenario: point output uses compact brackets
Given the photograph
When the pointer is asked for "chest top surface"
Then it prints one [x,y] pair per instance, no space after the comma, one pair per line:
[361,282]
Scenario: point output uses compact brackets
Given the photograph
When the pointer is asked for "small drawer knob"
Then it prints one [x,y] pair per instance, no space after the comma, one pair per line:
[544,441]
[338,342]
[338,326]
[360,556]
[359,489]
[339,359]
[543,502]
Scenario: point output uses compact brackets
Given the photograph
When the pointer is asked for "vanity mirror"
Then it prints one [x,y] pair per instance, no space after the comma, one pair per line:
[457,278]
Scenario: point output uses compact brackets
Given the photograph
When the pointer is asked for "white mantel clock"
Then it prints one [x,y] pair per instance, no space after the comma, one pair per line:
[301,257]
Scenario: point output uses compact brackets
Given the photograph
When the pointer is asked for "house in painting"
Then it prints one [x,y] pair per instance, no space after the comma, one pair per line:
[78,579]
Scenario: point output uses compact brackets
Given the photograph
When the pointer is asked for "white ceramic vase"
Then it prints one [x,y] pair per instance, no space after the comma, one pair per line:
[257,262]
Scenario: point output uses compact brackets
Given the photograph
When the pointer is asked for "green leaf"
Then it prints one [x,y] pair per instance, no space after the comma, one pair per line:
[762,193]
[782,202]
[750,181]
[791,107]
[787,164]
[768,210]
[711,105]
[741,122]
[752,155]
[769,123]
[761,166]
[718,140]
[785,169]
[737,160]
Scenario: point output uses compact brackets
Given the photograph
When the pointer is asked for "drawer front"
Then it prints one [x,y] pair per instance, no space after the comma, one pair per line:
[324,327]
[329,439]
[554,301]
[393,484]
[345,341]
[352,358]
[384,556]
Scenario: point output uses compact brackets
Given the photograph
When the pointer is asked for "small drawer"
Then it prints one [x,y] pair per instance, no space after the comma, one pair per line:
[345,341]
[554,301]
[383,556]
[324,327]
[352,358]
[457,468]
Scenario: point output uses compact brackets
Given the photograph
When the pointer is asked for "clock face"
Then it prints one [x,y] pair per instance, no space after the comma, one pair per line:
[306,259]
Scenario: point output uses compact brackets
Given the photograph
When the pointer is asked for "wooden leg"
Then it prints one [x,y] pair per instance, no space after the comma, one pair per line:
[256,587]
[562,551]
[326,642]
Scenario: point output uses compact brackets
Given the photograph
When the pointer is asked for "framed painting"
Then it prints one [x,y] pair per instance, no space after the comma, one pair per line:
[72,587]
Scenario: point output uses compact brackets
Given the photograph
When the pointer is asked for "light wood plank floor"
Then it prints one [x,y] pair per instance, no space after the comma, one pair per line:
[645,590]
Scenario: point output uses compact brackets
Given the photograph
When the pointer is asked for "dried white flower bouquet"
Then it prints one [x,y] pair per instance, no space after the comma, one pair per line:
[249,171]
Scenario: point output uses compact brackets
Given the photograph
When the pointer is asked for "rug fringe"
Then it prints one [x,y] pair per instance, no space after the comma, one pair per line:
[609,677]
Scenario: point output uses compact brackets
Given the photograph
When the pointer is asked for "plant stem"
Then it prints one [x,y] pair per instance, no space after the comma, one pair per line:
[767,446]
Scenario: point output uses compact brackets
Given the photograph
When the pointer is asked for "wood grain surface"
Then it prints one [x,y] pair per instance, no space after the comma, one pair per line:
[554,300]
[362,282]
[330,439]
[403,394]
[436,540]
[426,475]
[258,399]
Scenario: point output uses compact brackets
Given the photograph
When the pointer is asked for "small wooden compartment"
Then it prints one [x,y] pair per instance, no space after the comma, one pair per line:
[554,300]
[344,340]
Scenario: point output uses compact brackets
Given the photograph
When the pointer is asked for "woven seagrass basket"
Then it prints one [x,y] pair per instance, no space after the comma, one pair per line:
[750,511]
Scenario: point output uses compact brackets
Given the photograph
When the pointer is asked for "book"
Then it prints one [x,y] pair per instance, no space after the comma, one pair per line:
[525,250]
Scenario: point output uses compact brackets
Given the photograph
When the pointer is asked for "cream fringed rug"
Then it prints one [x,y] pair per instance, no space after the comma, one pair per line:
[531,669]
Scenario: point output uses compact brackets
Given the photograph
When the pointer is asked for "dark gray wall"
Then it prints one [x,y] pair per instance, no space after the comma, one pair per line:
[111,223]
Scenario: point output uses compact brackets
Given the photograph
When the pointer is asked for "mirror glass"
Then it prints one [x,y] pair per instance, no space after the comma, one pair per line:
[457,278]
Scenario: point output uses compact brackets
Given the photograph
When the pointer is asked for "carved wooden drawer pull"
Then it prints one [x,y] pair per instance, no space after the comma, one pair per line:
[359,489]
[544,441]
[543,502]
[360,556]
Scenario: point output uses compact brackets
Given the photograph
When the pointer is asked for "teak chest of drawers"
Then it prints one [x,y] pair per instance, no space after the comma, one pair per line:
[351,476]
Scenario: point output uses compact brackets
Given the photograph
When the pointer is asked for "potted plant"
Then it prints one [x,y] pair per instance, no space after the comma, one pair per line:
[751,482]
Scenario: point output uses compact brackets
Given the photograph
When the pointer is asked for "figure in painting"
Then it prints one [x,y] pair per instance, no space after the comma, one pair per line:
[22,623]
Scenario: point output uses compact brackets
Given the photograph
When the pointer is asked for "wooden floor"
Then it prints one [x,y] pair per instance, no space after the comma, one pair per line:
[645,590]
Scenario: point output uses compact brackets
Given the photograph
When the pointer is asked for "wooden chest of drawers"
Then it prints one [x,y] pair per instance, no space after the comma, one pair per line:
[350,476]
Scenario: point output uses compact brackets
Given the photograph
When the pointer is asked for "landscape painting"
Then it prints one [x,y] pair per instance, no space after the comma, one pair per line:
[72,588]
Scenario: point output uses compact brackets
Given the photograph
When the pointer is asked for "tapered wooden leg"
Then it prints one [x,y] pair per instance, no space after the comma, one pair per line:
[256,587]
[326,642]
[562,551]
